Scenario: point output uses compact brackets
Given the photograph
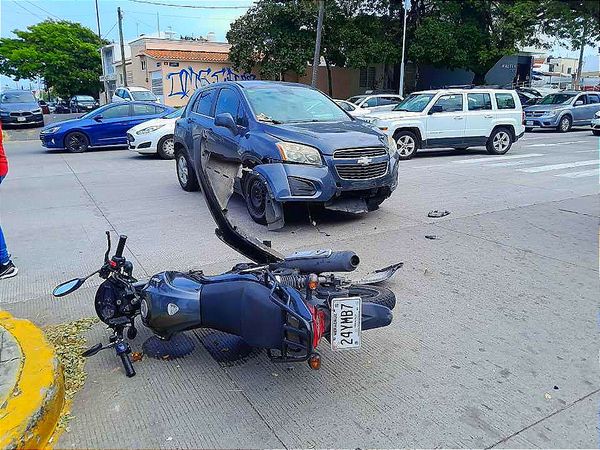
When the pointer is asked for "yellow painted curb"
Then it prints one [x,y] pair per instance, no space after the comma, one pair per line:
[29,416]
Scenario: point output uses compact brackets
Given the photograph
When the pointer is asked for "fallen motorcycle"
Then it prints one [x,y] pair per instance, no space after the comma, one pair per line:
[285,305]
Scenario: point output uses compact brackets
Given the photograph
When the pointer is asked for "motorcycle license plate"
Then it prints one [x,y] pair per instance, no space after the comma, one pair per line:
[20,119]
[529,122]
[345,323]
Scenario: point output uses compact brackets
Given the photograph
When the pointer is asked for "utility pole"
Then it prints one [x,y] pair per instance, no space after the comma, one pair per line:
[317,58]
[158,23]
[98,20]
[120,16]
[406,6]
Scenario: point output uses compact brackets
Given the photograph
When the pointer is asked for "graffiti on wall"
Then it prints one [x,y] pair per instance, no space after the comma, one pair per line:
[185,81]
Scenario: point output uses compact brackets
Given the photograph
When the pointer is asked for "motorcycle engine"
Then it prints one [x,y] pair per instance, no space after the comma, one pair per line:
[114,301]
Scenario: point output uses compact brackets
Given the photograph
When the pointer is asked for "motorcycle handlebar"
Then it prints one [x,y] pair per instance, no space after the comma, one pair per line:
[121,246]
[127,365]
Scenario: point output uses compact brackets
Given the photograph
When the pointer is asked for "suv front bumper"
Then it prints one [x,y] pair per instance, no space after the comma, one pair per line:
[542,121]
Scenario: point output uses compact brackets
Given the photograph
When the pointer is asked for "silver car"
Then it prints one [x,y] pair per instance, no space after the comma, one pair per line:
[562,110]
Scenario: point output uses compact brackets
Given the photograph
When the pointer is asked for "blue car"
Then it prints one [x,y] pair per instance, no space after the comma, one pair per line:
[280,143]
[104,127]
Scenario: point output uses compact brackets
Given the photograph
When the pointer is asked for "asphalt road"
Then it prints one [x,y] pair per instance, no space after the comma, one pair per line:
[494,341]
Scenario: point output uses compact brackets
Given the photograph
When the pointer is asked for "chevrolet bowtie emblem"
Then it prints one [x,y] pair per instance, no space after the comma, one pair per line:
[364,160]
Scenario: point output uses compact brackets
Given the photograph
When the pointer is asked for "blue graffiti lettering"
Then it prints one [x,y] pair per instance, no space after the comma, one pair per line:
[186,81]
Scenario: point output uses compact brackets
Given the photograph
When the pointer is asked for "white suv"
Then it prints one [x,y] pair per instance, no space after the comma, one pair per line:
[133,93]
[453,118]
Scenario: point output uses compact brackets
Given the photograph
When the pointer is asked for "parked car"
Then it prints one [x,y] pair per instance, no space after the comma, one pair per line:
[82,103]
[374,102]
[155,136]
[133,93]
[19,107]
[596,124]
[44,107]
[103,127]
[62,107]
[346,106]
[51,107]
[453,118]
[527,98]
[563,110]
[294,144]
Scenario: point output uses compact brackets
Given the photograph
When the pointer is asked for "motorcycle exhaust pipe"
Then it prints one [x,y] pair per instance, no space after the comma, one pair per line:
[321,261]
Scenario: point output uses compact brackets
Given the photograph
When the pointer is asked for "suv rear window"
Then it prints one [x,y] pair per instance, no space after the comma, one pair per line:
[477,102]
[505,101]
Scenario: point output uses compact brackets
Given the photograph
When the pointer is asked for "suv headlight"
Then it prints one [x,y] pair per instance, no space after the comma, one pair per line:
[551,113]
[299,153]
[50,130]
[149,129]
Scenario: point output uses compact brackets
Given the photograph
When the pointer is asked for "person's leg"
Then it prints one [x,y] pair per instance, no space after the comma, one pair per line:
[4,258]
[7,268]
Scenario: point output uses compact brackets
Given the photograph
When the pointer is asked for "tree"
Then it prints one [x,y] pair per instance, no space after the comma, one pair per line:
[63,53]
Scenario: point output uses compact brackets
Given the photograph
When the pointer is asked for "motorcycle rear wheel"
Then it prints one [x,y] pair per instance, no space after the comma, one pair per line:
[373,294]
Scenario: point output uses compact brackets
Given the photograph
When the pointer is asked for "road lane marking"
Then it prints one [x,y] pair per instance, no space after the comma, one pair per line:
[558,166]
[507,164]
[556,144]
[587,151]
[583,173]
[497,158]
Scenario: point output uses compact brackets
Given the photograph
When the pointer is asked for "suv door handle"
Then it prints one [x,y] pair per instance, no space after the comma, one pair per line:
[489,116]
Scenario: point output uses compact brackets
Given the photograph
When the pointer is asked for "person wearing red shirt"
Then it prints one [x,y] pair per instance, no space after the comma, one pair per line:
[7,268]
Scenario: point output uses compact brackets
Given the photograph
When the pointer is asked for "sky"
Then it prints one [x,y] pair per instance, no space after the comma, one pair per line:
[141,18]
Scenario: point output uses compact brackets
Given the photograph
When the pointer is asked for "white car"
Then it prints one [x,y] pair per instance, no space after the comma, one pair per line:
[596,124]
[133,93]
[453,118]
[155,136]
[366,104]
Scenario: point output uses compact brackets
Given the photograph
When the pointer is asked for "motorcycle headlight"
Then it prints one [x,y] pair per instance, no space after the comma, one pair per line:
[392,145]
[50,130]
[299,153]
[149,129]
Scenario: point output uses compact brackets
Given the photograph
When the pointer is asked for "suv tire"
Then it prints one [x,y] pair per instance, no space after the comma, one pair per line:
[564,124]
[500,141]
[407,144]
[255,194]
[185,172]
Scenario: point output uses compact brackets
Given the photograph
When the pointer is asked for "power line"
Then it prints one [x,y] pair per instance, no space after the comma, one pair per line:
[30,12]
[108,32]
[188,6]
[42,9]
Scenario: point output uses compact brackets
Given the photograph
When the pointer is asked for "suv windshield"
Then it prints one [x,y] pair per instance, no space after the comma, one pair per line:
[556,99]
[143,95]
[356,99]
[84,98]
[285,104]
[17,97]
[414,103]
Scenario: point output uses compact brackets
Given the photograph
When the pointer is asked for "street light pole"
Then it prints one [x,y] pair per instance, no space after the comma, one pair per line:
[120,16]
[317,58]
[401,88]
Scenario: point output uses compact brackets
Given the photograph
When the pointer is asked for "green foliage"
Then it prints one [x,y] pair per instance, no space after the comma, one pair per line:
[575,22]
[65,54]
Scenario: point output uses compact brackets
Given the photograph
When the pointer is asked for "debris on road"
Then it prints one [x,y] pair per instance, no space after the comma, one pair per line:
[432,237]
[435,213]
[547,396]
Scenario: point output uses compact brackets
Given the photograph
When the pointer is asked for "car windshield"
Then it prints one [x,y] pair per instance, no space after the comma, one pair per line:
[17,97]
[414,103]
[175,114]
[85,98]
[143,95]
[356,99]
[556,99]
[292,104]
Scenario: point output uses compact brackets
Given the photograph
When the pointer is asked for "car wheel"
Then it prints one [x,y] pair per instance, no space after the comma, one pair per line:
[407,144]
[565,124]
[596,132]
[255,194]
[166,147]
[499,142]
[185,173]
[76,142]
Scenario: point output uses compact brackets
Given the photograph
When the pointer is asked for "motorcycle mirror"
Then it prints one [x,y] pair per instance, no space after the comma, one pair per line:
[68,286]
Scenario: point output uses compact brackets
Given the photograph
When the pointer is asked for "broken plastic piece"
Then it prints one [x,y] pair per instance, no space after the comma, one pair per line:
[433,237]
[435,213]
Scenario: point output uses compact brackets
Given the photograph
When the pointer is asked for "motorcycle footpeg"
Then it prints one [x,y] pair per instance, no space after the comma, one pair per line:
[92,350]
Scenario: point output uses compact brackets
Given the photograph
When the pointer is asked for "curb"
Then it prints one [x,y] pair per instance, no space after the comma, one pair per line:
[29,416]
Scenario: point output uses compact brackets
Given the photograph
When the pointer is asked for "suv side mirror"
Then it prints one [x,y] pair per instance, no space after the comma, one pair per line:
[98,118]
[436,109]
[226,120]
[578,103]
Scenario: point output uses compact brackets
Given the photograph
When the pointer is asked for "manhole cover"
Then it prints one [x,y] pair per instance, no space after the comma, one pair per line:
[178,346]
[227,348]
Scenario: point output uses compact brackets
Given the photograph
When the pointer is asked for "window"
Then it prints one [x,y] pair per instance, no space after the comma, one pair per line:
[450,102]
[115,112]
[581,98]
[144,110]
[125,94]
[569,70]
[414,103]
[144,96]
[228,102]
[370,103]
[477,102]
[389,100]
[143,61]
[505,101]
[367,77]
[204,102]
[593,98]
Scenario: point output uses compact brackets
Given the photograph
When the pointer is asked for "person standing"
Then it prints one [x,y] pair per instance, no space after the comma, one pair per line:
[7,268]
